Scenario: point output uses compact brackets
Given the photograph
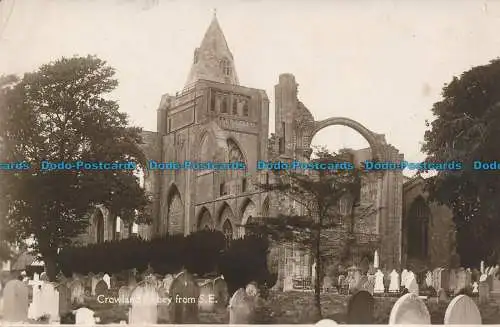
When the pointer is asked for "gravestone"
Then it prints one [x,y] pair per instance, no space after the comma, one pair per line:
[412,285]
[107,279]
[468,277]
[34,309]
[64,299]
[101,289]
[475,288]
[462,311]
[144,304]
[442,296]
[484,292]
[369,285]
[124,295]
[77,292]
[84,316]
[379,282]
[242,307]
[410,276]
[167,281]
[409,310]
[164,305]
[50,301]
[453,281]
[15,306]
[327,284]
[428,280]
[220,293]
[184,293]
[461,280]
[394,285]
[404,275]
[206,300]
[94,280]
[360,309]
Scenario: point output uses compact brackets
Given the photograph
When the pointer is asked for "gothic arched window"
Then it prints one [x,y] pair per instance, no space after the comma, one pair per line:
[235,106]
[174,222]
[224,106]
[235,155]
[227,229]
[100,227]
[245,109]
[418,229]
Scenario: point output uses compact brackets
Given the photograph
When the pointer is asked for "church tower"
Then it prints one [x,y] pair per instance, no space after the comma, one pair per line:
[213,119]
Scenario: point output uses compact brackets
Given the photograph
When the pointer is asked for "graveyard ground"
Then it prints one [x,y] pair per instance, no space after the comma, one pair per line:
[298,308]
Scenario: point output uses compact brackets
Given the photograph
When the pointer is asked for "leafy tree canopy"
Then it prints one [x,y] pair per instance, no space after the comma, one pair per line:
[466,128]
[61,112]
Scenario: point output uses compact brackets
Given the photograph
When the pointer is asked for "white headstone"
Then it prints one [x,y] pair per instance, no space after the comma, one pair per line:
[107,279]
[475,288]
[144,300]
[16,302]
[409,310]
[412,285]
[394,284]
[428,279]
[241,307]
[408,279]
[404,275]
[50,301]
[84,316]
[376,260]
[482,267]
[462,311]
[379,282]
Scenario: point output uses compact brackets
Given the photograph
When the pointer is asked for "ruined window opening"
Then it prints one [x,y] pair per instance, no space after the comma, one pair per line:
[235,106]
[245,109]
[224,105]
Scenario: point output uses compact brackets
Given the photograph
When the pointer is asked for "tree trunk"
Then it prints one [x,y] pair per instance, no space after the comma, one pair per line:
[49,257]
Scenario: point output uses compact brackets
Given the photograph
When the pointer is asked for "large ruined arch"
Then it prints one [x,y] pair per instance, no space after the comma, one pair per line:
[173,221]
[375,141]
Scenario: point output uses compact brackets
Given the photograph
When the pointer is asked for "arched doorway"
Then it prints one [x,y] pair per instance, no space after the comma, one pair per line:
[418,229]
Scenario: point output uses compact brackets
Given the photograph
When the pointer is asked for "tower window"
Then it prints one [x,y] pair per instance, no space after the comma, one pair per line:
[245,109]
[235,106]
[169,124]
[225,67]
[224,106]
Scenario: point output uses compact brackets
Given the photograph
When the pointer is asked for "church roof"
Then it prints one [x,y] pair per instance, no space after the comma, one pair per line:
[213,60]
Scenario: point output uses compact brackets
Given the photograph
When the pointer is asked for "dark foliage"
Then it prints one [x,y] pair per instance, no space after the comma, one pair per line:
[199,253]
[246,261]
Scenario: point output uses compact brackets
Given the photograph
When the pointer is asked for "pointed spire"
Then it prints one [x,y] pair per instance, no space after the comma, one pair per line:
[213,60]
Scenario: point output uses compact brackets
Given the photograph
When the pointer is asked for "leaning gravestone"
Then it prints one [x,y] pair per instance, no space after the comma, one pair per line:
[242,307]
[64,299]
[462,311]
[184,293]
[144,309]
[16,301]
[220,293]
[360,309]
[206,301]
[409,310]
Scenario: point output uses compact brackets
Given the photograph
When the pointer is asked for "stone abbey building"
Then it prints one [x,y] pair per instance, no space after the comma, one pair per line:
[214,118]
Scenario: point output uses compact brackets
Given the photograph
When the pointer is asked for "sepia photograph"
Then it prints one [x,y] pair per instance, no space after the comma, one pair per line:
[249,162]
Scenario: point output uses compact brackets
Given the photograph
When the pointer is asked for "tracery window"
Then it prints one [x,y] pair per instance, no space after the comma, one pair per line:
[225,67]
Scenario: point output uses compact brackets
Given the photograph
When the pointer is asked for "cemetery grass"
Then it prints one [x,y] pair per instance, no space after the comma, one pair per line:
[298,308]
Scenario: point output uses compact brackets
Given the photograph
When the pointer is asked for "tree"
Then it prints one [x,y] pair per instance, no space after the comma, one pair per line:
[61,113]
[319,192]
[466,128]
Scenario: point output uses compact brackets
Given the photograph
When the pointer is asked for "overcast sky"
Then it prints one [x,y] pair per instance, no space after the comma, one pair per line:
[382,63]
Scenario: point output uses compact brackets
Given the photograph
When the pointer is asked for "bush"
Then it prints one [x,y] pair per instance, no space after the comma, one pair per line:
[199,253]
[245,262]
